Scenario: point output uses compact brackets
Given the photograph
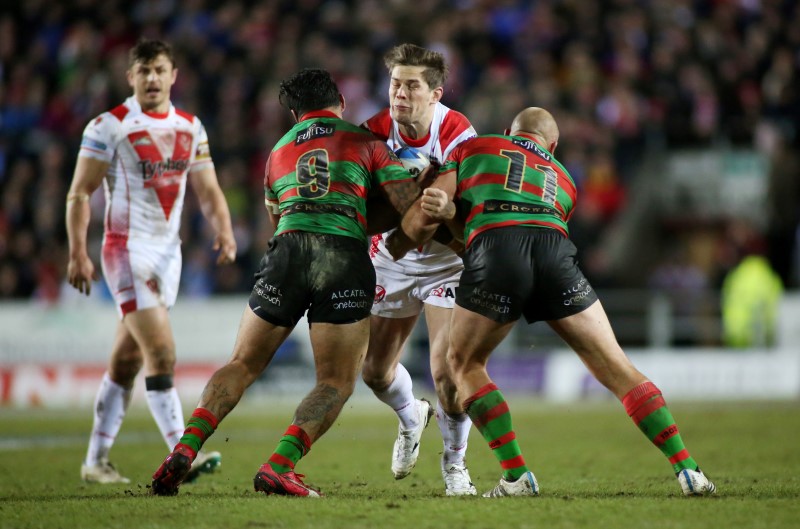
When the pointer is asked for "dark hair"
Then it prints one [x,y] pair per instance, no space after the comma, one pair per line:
[309,89]
[147,50]
[435,72]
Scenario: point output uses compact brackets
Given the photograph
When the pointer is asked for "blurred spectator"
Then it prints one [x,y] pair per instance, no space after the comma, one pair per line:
[623,78]
[751,293]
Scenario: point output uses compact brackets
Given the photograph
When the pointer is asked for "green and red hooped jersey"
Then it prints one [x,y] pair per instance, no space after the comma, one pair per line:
[321,172]
[510,181]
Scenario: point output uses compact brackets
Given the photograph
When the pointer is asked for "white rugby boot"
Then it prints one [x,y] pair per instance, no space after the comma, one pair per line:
[526,485]
[457,481]
[103,472]
[406,446]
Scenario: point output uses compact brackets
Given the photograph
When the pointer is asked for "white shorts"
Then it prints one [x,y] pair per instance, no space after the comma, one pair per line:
[400,295]
[140,274]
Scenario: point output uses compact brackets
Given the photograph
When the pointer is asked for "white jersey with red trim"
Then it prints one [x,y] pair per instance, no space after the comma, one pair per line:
[448,129]
[150,156]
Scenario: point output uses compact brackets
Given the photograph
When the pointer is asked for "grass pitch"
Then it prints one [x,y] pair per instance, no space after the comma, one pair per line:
[594,467]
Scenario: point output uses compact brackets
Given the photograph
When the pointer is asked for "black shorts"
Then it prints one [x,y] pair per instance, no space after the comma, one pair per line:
[330,276]
[516,271]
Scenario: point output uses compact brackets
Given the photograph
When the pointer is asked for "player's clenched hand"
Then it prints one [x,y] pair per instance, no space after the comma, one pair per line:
[226,245]
[81,273]
[435,203]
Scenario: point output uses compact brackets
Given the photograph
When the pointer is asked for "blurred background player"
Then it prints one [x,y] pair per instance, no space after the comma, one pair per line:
[425,277]
[515,199]
[317,181]
[143,152]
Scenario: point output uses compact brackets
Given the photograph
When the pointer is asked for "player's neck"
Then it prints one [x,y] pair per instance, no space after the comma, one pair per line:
[415,130]
[156,110]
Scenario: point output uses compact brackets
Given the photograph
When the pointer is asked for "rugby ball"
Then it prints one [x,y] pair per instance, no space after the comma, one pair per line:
[412,159]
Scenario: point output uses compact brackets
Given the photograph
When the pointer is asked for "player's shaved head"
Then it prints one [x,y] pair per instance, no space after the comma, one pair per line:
[537,121]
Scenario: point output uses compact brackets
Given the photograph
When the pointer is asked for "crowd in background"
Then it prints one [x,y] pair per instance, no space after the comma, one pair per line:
[622,77]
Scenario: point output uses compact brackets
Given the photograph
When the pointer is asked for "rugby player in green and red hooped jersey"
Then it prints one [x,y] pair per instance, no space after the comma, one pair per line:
[317,180]
[509,181]
[512,200]
[321,172]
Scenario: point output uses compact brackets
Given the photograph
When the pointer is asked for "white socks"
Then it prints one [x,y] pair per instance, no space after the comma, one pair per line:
[165,406]
[400,397]
[110,406]
[454,428]
[455,433]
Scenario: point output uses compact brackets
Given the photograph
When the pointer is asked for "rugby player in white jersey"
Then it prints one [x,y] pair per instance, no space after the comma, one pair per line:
[424,278]
[143,152]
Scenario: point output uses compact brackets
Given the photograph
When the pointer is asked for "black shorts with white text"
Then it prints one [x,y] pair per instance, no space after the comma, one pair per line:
[329,276]
[515,271]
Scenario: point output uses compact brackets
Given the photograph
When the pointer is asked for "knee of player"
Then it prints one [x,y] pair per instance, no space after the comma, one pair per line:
[455,361]
[459,363]
[123,371]
[375,379]
[161,359]
[442,380]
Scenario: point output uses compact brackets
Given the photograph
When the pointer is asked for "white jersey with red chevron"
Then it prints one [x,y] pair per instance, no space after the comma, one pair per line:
[448,129]
[150,156]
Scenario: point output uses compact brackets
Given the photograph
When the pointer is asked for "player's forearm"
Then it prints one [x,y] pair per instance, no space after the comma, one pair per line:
[77,221]
[216,212]
[456,227]
[412,232]
[402,195]
[417,226]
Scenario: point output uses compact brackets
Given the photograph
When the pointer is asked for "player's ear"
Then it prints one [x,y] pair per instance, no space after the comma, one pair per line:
[342,102]
[437,94]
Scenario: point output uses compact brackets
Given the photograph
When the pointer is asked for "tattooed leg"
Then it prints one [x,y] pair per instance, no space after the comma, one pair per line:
[319,409]
[255,346]
[225,389]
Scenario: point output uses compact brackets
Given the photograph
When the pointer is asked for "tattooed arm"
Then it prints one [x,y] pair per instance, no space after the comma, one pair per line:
[401,195]
[418,226]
